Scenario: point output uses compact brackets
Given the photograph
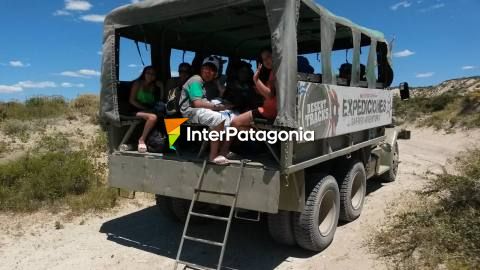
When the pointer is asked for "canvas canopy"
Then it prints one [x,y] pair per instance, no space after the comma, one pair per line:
[239,28]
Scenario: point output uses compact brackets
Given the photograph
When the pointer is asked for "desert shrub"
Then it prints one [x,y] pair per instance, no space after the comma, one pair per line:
[87,105]
[34,108]
[16,129]
[443,227]
[53,173]
[3,148]
[444,111]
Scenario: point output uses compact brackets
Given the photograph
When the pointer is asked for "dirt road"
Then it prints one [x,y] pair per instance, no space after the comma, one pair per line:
[136,236]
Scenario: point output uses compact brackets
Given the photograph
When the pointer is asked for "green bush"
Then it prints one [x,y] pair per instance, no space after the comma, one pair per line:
[444,226]
[53,174]
[34,108]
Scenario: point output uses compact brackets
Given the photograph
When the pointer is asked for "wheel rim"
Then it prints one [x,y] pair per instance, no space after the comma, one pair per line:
[357,191]
[326,216]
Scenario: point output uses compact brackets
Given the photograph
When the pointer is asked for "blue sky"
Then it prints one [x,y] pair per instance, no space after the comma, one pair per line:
[53,47]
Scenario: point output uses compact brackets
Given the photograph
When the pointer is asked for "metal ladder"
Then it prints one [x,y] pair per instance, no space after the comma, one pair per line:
[228,219]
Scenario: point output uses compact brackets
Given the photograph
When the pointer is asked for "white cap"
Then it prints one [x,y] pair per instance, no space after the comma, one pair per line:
[212,60]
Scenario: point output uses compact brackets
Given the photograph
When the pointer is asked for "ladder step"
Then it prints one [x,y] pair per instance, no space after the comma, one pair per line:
[216,192]
[205,241]
[209,216]
[195,266]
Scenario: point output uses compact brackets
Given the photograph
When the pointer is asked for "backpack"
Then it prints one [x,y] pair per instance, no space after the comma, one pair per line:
[173,101]
[156,142]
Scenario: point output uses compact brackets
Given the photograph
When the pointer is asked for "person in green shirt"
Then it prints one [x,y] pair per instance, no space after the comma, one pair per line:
[195,105]
[142,97]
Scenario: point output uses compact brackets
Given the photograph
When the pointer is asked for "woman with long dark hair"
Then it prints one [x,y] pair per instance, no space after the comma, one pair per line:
[142,97]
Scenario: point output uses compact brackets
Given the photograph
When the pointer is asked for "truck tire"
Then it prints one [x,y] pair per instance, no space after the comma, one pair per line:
[391,174]
[163,203]
[179,208]
[280,227]
[353,186]
[315,227]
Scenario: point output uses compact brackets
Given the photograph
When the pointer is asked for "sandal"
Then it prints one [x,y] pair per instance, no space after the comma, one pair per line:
[232,155]
[220,160]
[142,148]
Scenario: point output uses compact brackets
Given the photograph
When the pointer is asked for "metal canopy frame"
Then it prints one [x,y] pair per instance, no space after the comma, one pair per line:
[190,24]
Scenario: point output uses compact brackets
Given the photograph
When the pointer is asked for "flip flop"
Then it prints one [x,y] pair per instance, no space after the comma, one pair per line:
[220,160]
[142,148]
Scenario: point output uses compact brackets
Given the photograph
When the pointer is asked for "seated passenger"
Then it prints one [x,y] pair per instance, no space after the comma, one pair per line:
[195,106]
[184,73]
[142,97]
[240,90]
[264,80]
[216,88]
[345,72]
[303,65]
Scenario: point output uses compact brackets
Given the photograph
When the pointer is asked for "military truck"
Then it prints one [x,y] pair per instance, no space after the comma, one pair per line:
[303,188]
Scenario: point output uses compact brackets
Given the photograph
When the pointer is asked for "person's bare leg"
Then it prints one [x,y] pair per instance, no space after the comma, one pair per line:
[240,122]
[215,145]
[150,120]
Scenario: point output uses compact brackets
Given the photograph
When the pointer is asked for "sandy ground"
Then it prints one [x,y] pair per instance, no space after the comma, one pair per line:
[136,235]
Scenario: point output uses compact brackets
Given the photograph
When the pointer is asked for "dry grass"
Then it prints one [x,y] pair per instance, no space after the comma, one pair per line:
[446,111]
[441,227]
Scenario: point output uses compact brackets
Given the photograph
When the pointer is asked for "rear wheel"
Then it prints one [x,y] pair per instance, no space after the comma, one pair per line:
[352,191]
[391,174]
[280,227]
[163,203]
[179,208]
[315,227]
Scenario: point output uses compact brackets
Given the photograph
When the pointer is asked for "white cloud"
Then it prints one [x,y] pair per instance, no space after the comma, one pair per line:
[93,18]
[30,84]
[16,63]
[404,4]
[425,75]
[82,73]
[174,74]
[100,53]
[132,66]
[5,89]
[404,53]
[70,85]
[89,72]
[436,6]
[20,86]
[77,5]
[72,74]
[468,67]
[61,13]
[135,1]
